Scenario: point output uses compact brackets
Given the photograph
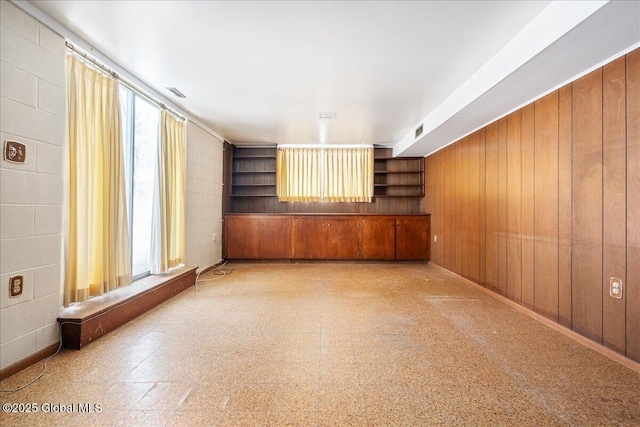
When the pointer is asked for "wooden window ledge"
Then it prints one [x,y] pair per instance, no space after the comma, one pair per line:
[89,320]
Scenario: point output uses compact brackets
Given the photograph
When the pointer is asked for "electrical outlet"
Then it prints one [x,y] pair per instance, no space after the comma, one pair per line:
[435,238]
[16,285]
[14,152]
[615,287]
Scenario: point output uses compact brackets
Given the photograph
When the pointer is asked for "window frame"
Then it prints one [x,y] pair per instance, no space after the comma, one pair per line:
[129,132]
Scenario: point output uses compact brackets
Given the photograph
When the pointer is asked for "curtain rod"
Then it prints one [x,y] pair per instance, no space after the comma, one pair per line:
[100,66]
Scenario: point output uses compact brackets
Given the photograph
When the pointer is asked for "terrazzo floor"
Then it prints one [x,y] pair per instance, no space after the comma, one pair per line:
[331,344]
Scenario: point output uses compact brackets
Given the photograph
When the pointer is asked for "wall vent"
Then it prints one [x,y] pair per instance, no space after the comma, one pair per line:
[176,92]
[419,130]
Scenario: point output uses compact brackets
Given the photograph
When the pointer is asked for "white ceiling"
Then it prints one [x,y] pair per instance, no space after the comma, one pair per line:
[259,72]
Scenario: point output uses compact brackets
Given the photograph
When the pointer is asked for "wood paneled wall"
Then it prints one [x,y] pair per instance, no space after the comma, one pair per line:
[543,206]
[380,205]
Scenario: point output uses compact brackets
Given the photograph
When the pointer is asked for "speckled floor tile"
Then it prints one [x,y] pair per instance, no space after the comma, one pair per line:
[146,418]
[244,419]
[252,397]
[296,397]
[332,344]
[207,397]
[164,397]
[298,419]
[103,419]
[199,418]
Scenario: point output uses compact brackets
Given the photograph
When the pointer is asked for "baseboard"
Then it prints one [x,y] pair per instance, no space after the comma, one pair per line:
[616,357]
[28,361]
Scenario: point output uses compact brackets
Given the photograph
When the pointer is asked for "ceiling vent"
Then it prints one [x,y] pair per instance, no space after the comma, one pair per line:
[176,92]
[419,131]
[326,115]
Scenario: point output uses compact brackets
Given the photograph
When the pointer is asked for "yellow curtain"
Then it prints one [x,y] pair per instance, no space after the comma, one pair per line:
[298,175]
[168,237]
[348,174]
[96,236]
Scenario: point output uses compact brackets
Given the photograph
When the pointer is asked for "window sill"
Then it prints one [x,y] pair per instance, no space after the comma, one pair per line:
[85,322]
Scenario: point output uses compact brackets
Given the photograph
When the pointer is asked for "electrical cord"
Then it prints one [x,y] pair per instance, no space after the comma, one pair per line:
[44,368]
[219,271]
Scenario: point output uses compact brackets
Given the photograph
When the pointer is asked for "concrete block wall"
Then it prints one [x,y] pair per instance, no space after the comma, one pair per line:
[204,197]
[32,99]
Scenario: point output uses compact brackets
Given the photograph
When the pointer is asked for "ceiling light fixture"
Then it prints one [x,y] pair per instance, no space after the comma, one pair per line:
[326,115]
[176,92]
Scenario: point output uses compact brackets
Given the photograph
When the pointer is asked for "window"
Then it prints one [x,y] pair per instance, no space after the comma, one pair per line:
[140,124]
[337,174]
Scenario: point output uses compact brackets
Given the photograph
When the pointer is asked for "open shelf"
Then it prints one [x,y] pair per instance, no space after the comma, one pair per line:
[252,177]
[397,176]
[253,172]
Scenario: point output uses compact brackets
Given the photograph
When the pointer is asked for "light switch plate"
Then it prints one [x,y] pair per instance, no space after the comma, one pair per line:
[15,152]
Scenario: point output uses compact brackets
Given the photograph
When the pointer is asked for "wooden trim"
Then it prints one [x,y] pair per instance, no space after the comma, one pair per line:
[28,361]
[85,322]
[616,357]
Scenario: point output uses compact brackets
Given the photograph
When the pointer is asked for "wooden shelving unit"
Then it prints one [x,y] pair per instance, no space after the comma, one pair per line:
[250,185]
[397,176]
[253,172]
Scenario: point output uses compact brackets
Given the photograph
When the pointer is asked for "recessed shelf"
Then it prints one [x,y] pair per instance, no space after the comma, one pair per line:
[253,175]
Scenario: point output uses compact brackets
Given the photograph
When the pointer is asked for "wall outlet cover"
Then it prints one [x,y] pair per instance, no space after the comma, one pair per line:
[15,152]
[16,285]
[615,287]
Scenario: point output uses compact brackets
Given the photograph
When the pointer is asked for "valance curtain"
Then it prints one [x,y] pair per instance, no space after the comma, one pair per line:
[96,232]
[168,236]
[298,175]
[348,174]
[324,174]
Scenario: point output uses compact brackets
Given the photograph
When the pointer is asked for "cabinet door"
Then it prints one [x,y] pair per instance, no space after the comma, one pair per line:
[275,238]
[242,237]
[309,238]
[412,236]
[342,238]
[378,238]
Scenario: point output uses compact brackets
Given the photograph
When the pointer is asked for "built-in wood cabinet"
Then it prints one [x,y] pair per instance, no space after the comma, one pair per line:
[258,237]
[378,238]
[327,237]
[412,239]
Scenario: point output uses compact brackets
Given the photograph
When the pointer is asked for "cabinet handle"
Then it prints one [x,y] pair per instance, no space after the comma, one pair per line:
[256,223]
[328,225]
